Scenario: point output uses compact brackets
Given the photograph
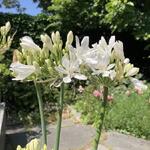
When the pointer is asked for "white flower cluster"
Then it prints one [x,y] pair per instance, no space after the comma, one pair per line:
[34,60]
[105,60]
[5,39]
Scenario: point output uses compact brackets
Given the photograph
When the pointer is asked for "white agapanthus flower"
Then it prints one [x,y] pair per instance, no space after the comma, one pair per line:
[100,58]
[70,68]
[138,84]
[82,49]
[103,48]
[22,71]
[28,44]
[130,70]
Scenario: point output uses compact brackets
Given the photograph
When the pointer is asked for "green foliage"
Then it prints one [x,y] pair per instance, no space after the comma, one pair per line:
[127,16]
[117,15]
[120,14]
[128,114]
[89,106]
[74,14]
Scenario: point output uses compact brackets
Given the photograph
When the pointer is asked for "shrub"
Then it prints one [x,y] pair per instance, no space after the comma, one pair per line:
[128,112]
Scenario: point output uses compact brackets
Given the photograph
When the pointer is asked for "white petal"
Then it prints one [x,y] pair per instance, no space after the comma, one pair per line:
[67,79]
[65,62]
[22,71]
[85,42]
[90,61]
[112,74]
[110,66]
[77,42]
[60,69]
[112,41]
[127,60]
[28,44]
[106,74]
[103,42]
[80,76]
[133,71]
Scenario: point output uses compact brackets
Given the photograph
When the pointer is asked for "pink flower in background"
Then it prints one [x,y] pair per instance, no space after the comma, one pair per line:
[97,93]
[138,90]
[80,89]
[110,98]
[128,93]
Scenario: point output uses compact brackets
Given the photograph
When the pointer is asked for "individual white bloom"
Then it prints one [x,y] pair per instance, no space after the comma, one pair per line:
[138,84]
[70,68]
[118,51]
[102,63]
[130,70]
[28,44]
[103,47]
[82,49]
[110,74]
[22,71]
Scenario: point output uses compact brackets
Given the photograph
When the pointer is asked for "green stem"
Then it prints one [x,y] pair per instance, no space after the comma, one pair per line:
[60,110]
[102,116]
[40,101]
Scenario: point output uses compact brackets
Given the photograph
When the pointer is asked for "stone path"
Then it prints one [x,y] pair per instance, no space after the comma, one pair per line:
[76,137]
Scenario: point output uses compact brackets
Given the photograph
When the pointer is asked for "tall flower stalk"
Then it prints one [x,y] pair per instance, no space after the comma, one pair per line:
[40,102]
[101,119]
[59,119]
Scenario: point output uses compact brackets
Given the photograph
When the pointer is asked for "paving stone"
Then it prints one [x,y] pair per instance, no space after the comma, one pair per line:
[75,137]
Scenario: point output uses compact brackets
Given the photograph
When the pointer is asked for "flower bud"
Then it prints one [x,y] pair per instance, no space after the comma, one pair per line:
[47,41]
[37,67]
[29,60]
[118,51]
[57,37]
[2,29]
[45,147]
[19,148]
[17,56]
[69,38]
[9,41]
[53,36]
[8,26]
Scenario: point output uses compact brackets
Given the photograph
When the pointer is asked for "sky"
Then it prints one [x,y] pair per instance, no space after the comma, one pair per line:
[31,8]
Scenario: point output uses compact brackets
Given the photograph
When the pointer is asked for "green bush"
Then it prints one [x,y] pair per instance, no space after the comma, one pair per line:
[128,114]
